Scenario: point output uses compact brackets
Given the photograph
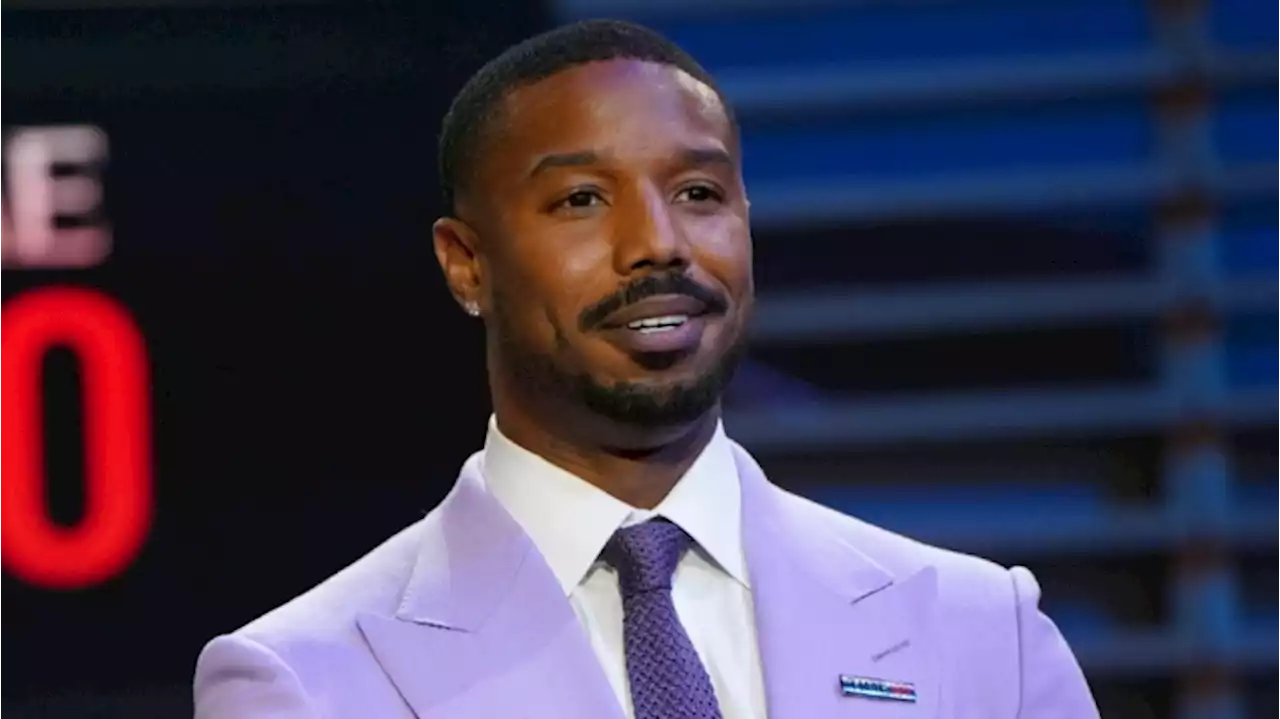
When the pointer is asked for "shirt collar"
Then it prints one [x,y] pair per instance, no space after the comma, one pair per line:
[570,520]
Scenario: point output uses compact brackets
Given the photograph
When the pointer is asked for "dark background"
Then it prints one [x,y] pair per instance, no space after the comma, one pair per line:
[314,386]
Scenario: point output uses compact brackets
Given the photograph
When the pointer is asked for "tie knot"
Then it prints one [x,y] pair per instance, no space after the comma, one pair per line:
[645,555]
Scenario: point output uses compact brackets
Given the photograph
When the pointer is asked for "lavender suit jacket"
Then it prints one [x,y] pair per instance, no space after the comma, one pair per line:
[458,616]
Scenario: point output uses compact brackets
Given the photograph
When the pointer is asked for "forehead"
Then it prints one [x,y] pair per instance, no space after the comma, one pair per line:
[611,107]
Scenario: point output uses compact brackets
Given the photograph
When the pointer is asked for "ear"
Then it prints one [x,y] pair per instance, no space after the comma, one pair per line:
[455,246]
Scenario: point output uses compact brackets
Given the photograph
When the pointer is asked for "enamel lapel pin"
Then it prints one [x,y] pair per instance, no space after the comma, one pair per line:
[871,688]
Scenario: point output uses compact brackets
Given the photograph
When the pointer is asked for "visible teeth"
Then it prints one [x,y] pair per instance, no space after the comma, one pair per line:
[658,324]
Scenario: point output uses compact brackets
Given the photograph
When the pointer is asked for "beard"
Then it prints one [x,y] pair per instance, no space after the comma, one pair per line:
[639,404]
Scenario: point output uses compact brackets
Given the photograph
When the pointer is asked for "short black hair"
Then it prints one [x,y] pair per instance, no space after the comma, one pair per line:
[474,107]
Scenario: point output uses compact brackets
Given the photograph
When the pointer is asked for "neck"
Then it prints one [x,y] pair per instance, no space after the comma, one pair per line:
[639,470]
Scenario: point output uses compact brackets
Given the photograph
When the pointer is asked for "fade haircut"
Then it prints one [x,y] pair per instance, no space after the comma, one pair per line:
[474,110]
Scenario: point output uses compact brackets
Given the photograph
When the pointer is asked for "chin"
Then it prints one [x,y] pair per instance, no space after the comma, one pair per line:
[659,371]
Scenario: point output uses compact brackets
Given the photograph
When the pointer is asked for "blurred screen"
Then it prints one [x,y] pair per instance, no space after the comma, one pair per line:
[223,322]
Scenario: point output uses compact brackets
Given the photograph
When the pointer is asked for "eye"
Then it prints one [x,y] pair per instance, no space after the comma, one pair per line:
[699,193]
[580,200]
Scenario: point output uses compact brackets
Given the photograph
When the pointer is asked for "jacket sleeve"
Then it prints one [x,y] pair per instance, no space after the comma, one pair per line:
[239,678]
[1051,685]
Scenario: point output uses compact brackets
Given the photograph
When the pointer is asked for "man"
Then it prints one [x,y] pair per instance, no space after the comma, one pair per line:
[610,553]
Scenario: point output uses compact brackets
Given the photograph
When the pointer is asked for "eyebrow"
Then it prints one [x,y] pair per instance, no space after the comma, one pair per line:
[702,156]
[694,156]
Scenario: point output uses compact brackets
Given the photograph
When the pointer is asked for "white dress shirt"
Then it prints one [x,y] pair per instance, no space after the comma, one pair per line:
[570,520]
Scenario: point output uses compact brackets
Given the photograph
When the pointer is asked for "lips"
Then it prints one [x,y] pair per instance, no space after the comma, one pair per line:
[664,325]
[656,313]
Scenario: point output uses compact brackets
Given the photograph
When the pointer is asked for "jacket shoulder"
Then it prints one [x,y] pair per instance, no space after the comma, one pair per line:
[307,658]
[326,612]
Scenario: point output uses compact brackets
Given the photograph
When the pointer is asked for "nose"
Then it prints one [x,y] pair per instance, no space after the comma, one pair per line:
[648,236]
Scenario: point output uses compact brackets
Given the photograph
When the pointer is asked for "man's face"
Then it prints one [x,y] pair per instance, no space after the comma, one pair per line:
[614,244]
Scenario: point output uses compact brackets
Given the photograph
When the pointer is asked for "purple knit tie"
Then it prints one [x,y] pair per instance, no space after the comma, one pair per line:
[668,680]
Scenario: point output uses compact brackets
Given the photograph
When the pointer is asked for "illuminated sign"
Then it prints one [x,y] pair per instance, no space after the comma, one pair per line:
[53,198]
[117,437]
[52,219]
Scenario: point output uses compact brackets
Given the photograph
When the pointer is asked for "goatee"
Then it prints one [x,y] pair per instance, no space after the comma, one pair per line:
[639,404]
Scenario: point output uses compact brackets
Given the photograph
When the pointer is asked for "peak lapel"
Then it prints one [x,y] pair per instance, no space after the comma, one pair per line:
[825,610]
[484,628]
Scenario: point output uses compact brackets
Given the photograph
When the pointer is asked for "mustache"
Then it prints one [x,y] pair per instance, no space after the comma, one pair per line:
[676,283]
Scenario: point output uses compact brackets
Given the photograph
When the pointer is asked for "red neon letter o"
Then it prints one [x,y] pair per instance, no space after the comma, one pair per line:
[117,435]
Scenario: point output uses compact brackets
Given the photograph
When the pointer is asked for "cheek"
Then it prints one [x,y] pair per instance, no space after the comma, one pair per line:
[724,250]
[574,269]
[582,266]
[544,293]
